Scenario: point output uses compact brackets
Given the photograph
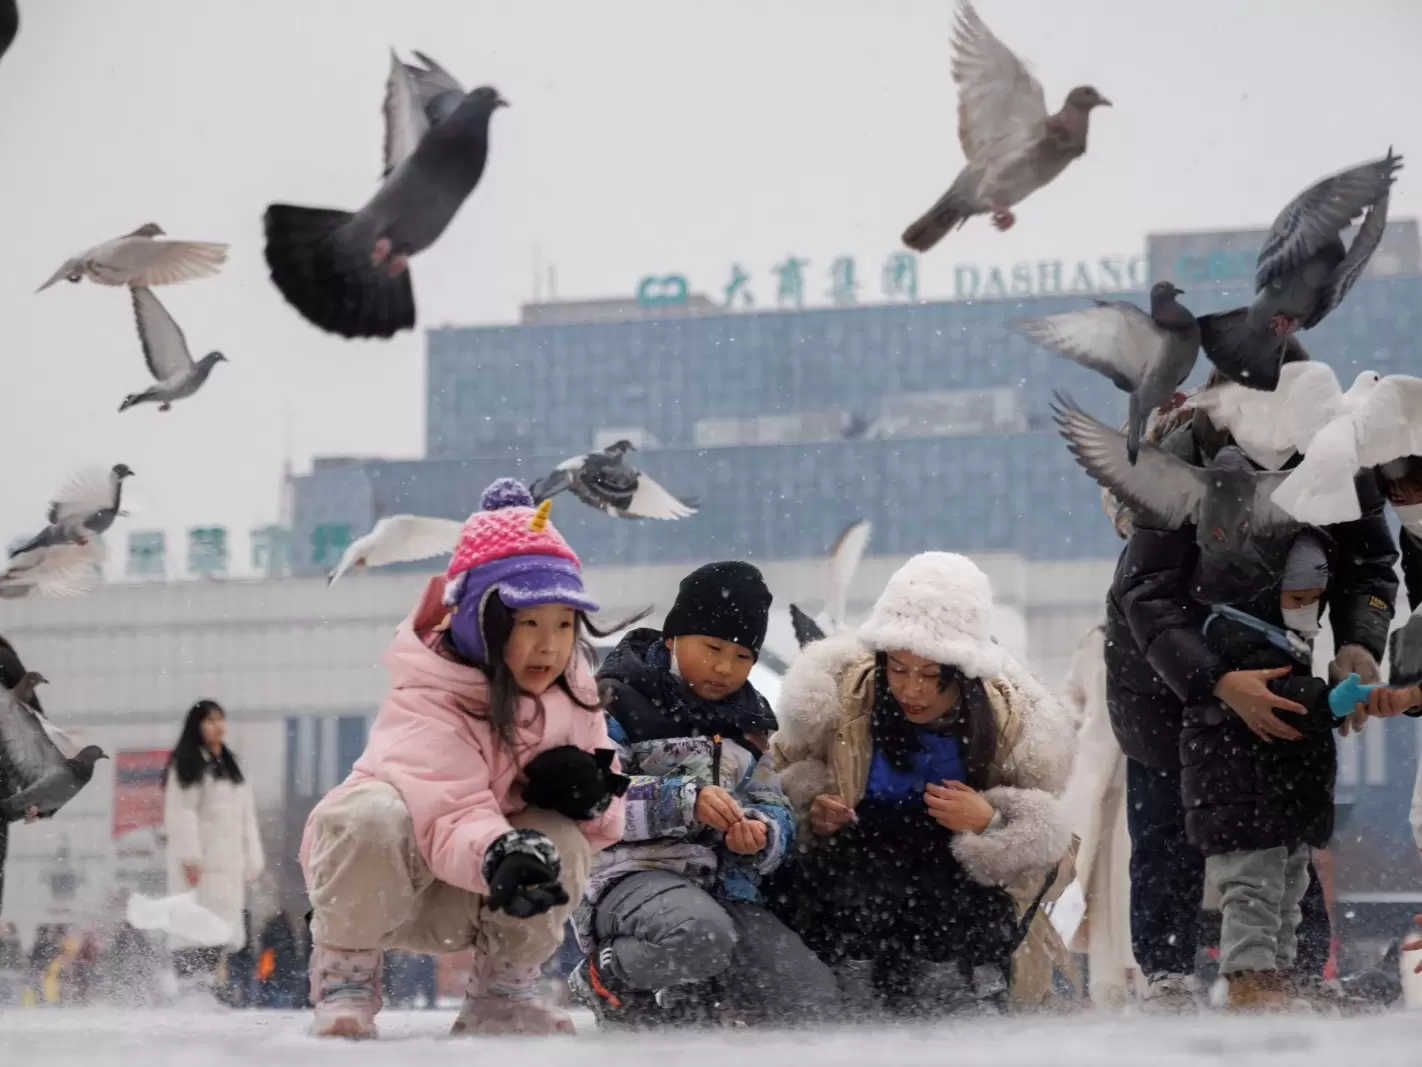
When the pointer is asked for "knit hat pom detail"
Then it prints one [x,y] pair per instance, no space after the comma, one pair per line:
[505,493]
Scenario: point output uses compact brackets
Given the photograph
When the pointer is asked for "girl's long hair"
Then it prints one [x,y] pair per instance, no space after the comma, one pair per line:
[972,722]
[504,693]
[188,761]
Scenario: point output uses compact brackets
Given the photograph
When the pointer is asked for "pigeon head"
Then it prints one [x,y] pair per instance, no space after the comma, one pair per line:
[1365,382]
[149,229]
[214,357]
[620,448]
[33,678]
[122,471]
[1085,97]
[487,98]
[90,755]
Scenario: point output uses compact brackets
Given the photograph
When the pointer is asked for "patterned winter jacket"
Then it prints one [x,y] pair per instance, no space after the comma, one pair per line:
[672,743]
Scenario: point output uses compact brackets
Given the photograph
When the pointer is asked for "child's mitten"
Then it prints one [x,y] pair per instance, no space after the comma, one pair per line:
[572,782]
[1347,694]
[522,869]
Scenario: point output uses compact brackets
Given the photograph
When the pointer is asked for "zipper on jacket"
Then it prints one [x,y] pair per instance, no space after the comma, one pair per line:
[716,759]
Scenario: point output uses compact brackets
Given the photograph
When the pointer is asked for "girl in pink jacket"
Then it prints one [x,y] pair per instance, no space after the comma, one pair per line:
[485,788]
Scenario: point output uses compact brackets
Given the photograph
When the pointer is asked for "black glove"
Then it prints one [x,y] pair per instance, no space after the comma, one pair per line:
[522,869]
[572,782]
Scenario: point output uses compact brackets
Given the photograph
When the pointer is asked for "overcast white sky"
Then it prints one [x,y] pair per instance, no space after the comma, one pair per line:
[643,136]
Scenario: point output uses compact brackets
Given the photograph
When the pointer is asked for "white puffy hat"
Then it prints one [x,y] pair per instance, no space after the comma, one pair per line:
[938,605]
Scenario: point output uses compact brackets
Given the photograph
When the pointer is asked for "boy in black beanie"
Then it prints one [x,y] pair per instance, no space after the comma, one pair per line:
[672,918]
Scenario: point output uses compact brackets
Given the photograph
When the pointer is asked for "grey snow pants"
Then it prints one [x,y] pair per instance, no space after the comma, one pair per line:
[1260,893]
[662,930]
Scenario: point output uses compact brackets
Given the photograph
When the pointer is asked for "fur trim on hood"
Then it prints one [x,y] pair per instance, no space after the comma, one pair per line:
[938,605]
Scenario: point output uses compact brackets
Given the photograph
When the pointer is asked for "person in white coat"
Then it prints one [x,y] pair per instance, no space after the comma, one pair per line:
[214,845]
[1095,802]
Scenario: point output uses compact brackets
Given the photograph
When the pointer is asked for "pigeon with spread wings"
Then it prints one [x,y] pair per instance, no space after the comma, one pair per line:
[85,506]
[606,481]
[399,539]
[1012,145]
[165,351]
[139,258]
[845,554]
[39,769]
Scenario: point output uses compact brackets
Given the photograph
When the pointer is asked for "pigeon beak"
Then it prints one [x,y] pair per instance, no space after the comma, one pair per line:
[499,101]
[58,276]
[1104,102]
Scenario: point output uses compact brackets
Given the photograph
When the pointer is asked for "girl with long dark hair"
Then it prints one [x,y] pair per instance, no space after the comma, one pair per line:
[922,762]
[214,842]
[486,786]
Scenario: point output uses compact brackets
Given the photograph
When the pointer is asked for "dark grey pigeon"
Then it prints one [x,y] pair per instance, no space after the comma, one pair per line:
[1241,532]
[347,273]
[38,778]
[606,481]
[165,350]
[1304,271]
[807,630]
[84,507]
[1146,355]
[1012,145]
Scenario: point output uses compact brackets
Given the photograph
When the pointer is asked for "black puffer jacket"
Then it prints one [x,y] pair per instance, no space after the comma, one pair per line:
[1411,547]
[1150,600]
[1243,794]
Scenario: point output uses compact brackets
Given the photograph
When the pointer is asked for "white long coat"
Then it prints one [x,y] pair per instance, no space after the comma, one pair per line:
[213,824]
[1095,800]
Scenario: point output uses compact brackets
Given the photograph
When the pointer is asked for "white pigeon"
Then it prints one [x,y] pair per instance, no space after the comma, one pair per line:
[400,539]
[1377,421]
[165,350]
[1272,427]
[846,552]
[137,258]
[179,915]
[60,570]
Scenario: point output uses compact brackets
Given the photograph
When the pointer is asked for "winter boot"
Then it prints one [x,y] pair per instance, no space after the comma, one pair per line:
[345,989]
[595,985]
[990,989]
[939,989]
[1172,994]
[505,999]
[856,988]
[1258,993]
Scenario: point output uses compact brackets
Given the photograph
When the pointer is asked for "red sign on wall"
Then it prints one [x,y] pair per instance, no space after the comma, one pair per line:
[138,790]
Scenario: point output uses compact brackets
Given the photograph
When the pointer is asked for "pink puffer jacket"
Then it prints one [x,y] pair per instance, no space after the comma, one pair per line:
[459,781]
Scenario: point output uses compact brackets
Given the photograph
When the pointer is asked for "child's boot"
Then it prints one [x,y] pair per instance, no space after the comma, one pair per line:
[504,999]
[1258,992]
[345,988]
[594,984]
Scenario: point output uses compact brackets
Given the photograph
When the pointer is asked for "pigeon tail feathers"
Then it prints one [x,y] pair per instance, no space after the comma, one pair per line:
[326,276]
[951,212]
[1134,428]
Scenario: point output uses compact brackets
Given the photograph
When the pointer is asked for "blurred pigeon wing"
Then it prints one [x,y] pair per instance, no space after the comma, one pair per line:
[88,491]
[55,571]
[1000,104]
[27,754]
[1116,339]
[1389,421]
[405,119]
[807,630]
[146,261]
[180,915]
[165,349]
[1318,215]
[406,538]
[1158,485]
[553,484]
[1365,243]
[848,550]
[651,501]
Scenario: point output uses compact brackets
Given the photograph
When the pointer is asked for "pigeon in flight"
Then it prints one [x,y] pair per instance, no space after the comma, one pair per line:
[138,258]
[845,554]
[55,570]
[1303,272]
[1273,427]
[399,539]
[37,765]
[9,24]
[348,273]
[165,350]
[1236,522]
[85,505]
[1013,147]
[416,98]
[1146,355]
[606,481]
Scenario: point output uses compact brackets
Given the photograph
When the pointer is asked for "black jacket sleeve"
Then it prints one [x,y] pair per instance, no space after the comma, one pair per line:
[1312,693]
[1361,596]
[1411,546]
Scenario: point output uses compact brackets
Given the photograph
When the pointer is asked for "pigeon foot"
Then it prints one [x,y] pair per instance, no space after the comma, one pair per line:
[1283,325]
[398,264]
[381,252]
[1173,403]
[81,541]
[1003,220]
[165,406]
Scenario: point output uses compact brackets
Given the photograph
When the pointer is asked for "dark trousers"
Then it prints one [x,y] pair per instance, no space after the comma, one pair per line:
[1167,873]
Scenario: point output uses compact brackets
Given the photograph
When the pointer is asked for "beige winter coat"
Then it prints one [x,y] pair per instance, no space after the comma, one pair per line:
[824,746]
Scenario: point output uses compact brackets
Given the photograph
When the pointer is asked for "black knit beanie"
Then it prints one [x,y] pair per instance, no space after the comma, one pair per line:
[728,601]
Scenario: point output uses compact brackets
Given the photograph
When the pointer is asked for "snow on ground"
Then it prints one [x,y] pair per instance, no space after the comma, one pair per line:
[99,1037]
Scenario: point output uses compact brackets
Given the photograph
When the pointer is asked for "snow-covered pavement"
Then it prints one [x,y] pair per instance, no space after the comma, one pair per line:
[98,1037]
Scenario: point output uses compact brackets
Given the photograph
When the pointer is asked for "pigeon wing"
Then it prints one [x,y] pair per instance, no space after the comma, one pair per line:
[85,493]
[1347,273]
[405,538]
[552,484]
[1389,422]
[27,754]
[1273,426]
[439,91]
[1000,104]
[1319,214]
[844,559]
[149,261]
[1168,489]
[55,571]
[807,630]
[405,118]
[651,501]
[1116,339]
[165,349]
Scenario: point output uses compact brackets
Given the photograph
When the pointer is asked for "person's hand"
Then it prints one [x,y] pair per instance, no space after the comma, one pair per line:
[957,807]
[192,873]
[716,808]
[747,837]
[31,814]
[1248,695]
[829,814]
[1388,703]
[1415,944]
[1354,659]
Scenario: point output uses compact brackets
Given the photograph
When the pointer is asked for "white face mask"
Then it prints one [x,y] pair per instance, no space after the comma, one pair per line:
[1410,515]
[1302,621]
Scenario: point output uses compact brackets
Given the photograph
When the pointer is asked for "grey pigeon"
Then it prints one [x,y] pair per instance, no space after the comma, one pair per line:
[165,350]
[38,778]
[416,97]
[347,273]
[1303,272]
[138,258]
[84,507]
[62,570]
[1237,526]
[1148,356]
[846,552]
[9,24]
[606,481]
[1013,147]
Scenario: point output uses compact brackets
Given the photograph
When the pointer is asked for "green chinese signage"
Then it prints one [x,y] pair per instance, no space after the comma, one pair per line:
[788,283]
